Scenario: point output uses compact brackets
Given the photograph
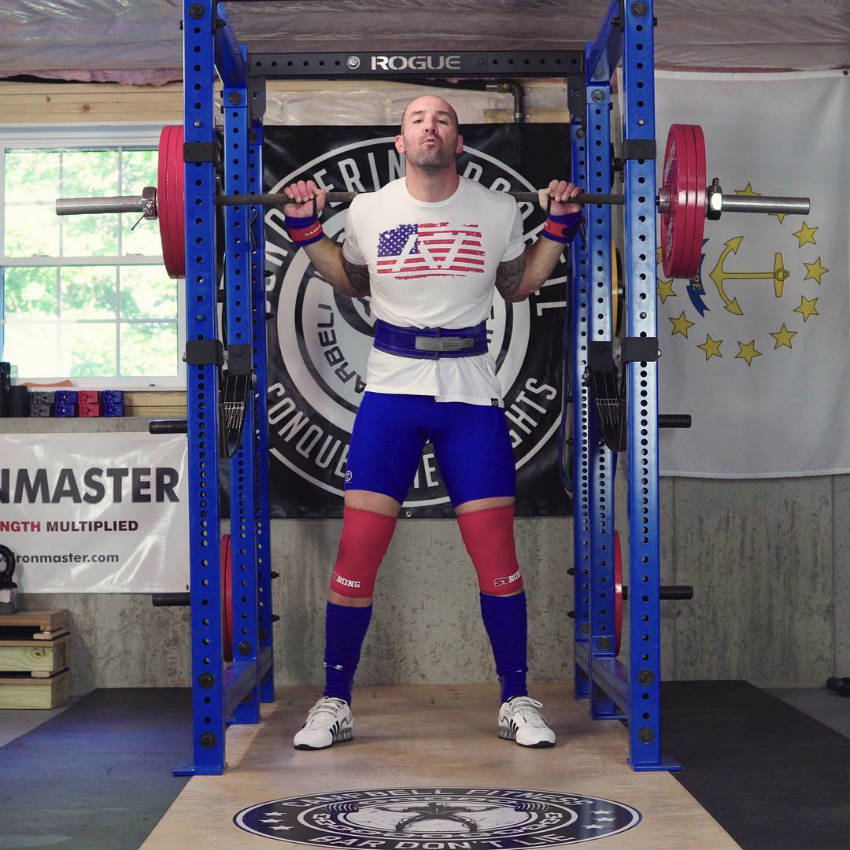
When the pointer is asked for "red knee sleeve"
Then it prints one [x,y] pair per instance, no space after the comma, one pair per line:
[489,539]
[364,542]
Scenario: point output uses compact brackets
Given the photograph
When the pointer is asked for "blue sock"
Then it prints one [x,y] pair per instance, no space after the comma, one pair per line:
[506,622]
[345,628]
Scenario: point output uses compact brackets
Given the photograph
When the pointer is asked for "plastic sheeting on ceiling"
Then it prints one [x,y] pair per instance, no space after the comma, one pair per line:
[138,41]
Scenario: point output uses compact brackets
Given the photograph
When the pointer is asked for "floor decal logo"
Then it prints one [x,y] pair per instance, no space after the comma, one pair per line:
[438,819]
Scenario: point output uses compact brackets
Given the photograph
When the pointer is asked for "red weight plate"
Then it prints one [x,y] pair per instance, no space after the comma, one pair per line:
[684,178]
[618,593]
[670,182]
[666,177]
[692,248]
[169,200]
[686,188]
[163,208]
[685,213]
[176,199]
[227,598]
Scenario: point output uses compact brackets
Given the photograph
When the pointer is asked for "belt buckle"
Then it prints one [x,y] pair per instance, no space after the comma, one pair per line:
[436,344]
[457,343]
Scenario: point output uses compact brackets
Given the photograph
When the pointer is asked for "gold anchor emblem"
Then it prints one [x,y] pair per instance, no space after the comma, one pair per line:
[778,275]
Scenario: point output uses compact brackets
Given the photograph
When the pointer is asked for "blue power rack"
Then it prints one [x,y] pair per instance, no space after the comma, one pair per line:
[225,693]
[614,690]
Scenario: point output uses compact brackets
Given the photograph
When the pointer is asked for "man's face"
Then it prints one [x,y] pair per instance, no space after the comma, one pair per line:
[429,135]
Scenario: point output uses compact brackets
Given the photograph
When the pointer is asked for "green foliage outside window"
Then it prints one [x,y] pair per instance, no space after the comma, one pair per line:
[63,316]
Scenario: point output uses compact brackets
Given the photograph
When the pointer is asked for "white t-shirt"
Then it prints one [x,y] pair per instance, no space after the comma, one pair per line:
[433,265]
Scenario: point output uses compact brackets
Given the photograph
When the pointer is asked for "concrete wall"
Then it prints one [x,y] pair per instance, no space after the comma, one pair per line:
[769,561]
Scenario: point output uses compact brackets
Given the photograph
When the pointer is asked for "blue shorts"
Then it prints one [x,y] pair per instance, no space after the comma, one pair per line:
[471,443]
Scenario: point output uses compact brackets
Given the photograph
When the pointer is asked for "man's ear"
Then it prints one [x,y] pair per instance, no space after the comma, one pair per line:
[399,144]
[459,148]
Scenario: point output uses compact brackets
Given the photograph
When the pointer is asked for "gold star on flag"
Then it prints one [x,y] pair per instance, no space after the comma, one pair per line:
[681,325]
[815,270]
[748,191]
[711,347]
[665,289]
[659,255]
[747,352]
[807,308]
[783,337]
[805,235]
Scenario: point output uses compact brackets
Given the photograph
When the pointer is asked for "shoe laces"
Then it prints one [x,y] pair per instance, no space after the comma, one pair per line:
[527,709]
[326,707]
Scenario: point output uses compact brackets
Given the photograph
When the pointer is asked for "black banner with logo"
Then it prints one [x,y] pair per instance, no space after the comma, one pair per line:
[319,340]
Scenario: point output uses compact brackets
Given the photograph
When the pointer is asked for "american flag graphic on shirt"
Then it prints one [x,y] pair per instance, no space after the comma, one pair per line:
[437,249]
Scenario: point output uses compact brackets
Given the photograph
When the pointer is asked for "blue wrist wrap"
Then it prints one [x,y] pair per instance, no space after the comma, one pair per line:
[303,230]
[561,228]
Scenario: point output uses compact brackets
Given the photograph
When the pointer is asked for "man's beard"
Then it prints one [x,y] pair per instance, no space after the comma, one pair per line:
[434,160]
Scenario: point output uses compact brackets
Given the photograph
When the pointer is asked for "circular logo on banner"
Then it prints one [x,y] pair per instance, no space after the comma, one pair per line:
[320,339]
[438,819]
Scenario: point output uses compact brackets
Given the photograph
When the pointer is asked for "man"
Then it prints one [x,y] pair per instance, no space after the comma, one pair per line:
[429,249]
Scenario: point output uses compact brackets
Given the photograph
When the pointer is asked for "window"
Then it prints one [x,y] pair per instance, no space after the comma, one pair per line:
[84,297]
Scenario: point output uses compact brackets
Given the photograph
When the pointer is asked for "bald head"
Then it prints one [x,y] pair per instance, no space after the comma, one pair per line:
[430,103]
[429,138]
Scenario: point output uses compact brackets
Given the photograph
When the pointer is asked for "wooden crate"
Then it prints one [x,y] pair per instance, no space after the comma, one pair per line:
[39,657]
[22,691]
[48,624]
[149,412]
[34,656]
[161,404]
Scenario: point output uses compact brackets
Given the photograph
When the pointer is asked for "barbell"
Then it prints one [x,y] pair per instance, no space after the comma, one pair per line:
[683,200]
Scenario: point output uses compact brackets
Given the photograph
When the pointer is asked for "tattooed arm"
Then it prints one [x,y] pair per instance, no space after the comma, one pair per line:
[326,255]
[509,277]
[517,279]
[358,278]
[329,261]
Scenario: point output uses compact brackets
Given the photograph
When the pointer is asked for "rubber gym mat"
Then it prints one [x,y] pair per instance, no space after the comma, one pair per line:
[99,774]
[773,777]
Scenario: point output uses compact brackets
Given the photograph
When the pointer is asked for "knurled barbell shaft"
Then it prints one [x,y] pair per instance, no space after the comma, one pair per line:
[136,203]
[278,200]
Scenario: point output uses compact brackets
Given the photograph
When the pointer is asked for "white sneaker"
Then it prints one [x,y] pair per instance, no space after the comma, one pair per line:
[328,721]
[520,720]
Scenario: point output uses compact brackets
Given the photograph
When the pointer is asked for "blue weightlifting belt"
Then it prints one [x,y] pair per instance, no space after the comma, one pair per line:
[430,343]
